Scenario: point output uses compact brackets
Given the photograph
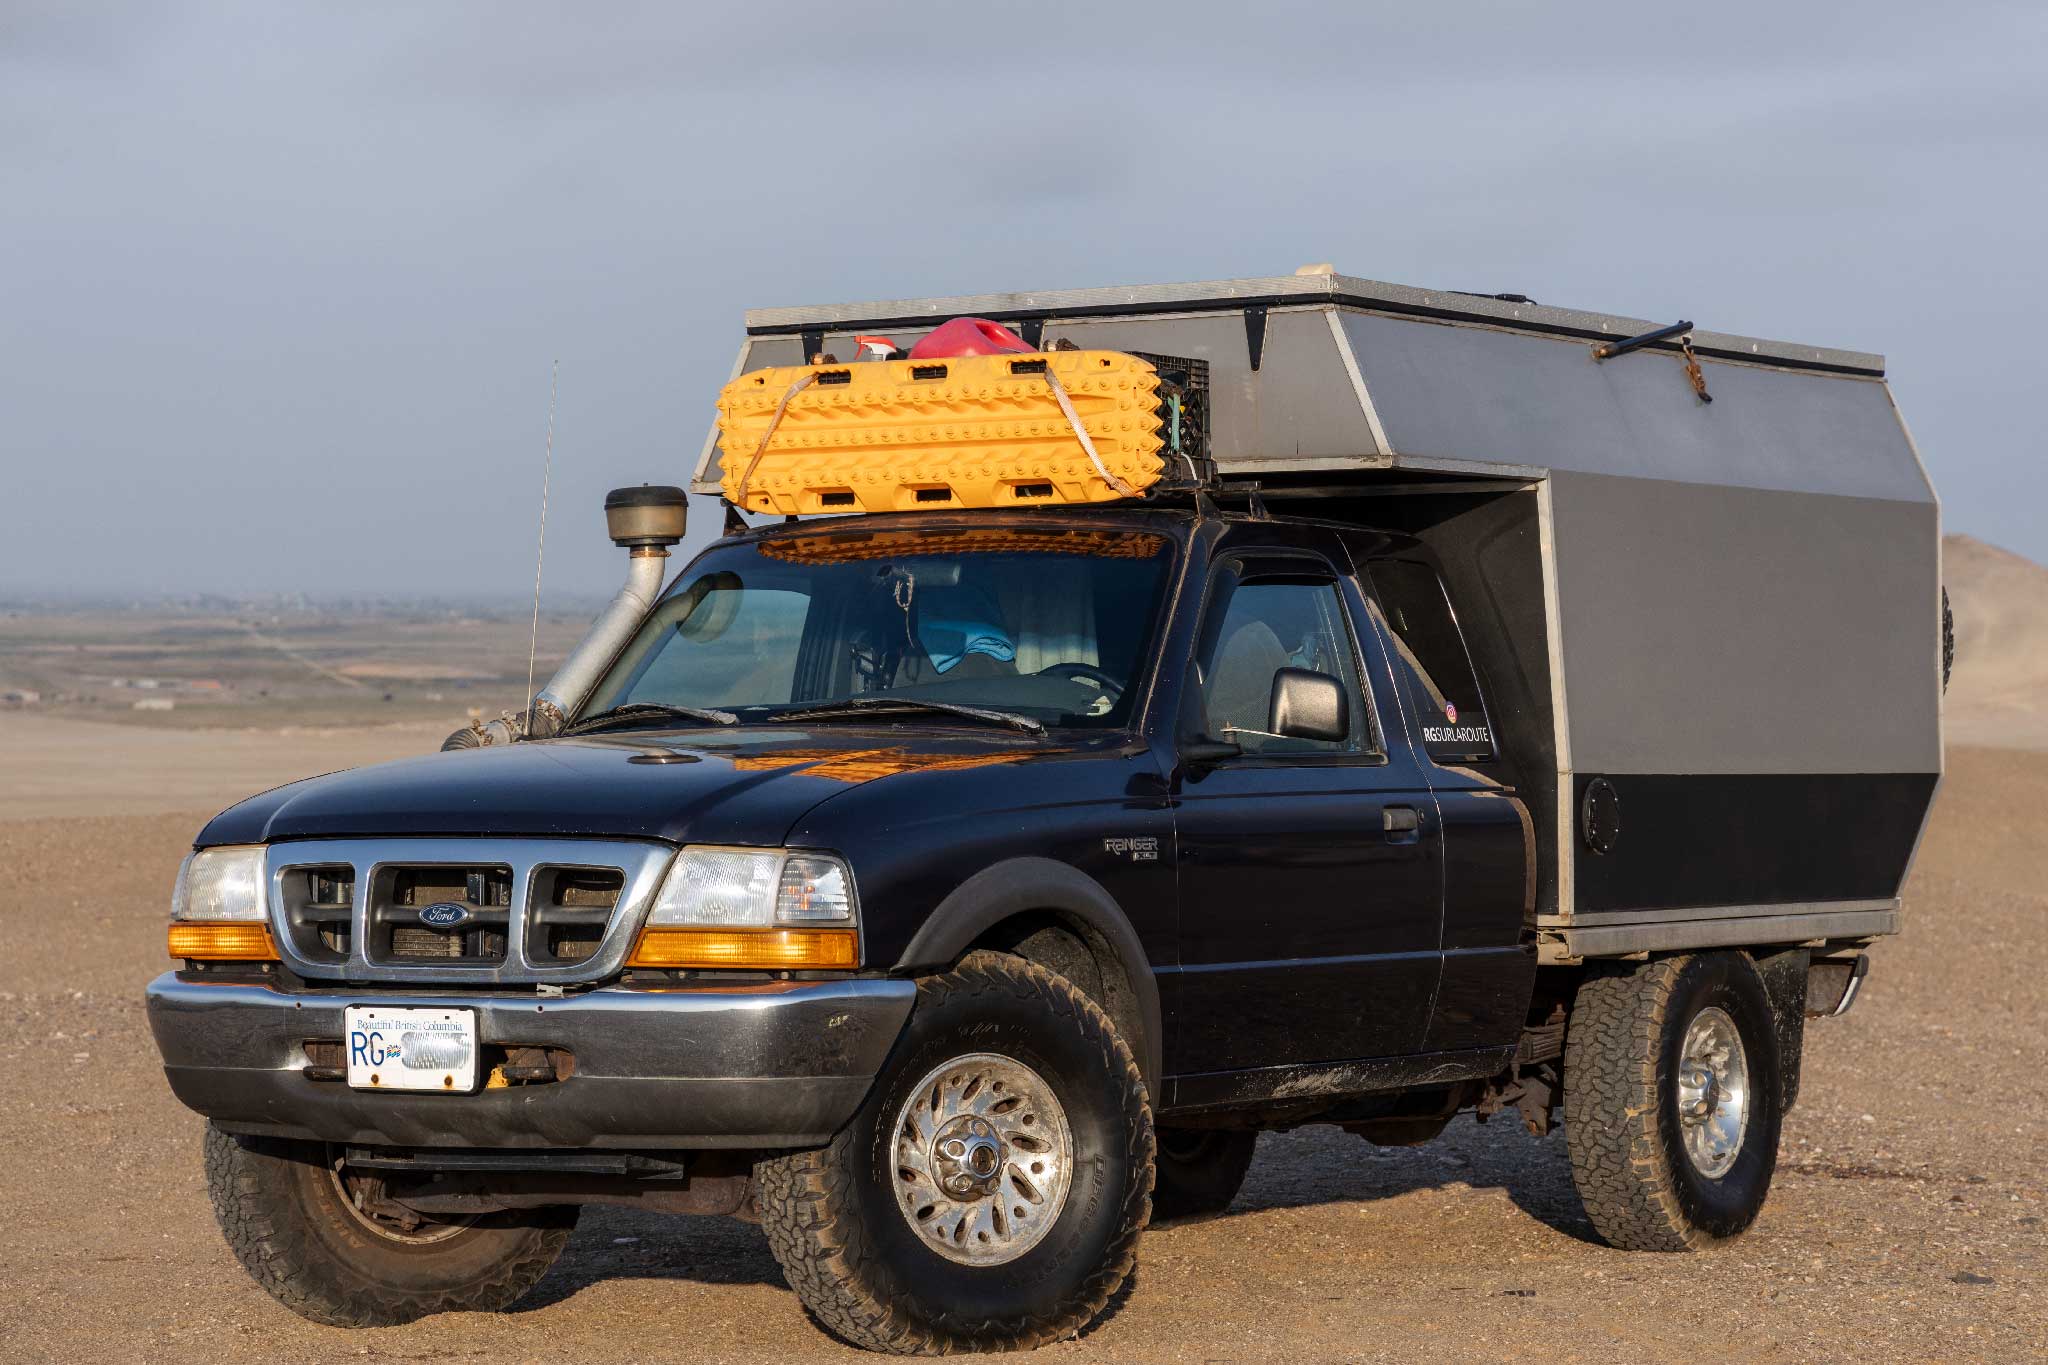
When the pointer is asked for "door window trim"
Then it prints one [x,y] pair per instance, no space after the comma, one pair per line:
[1316,565]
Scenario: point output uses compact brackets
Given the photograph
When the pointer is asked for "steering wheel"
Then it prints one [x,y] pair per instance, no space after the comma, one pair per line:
[1084,673]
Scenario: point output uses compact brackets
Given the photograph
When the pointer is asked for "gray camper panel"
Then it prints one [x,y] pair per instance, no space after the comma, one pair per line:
[1719,620]
[1746,608]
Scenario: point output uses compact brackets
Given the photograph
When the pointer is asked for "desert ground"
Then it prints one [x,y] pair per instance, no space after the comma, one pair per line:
[1909,1220]
[265,664]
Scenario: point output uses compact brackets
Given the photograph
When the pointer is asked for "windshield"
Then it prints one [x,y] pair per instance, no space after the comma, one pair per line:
[1051,625]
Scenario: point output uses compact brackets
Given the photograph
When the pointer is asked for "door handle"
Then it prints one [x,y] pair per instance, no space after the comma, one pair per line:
[1402,824]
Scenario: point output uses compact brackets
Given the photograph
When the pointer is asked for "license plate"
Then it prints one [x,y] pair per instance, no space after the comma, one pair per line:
[399,1049]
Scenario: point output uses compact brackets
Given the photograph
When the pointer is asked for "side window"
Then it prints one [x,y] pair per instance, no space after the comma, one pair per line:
[1260,622]
[1426,637]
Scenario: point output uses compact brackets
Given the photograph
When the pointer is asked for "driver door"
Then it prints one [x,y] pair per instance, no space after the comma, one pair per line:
[1311,874]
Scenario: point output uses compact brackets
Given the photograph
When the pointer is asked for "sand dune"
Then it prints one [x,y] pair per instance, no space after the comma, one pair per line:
[1999,692]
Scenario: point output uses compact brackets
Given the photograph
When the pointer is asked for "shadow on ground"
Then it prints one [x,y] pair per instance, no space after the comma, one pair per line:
[1317,1166]
[1306,1168]
[625,1244]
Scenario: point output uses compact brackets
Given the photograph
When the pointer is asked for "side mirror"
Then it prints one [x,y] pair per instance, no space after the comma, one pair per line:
[1309,705]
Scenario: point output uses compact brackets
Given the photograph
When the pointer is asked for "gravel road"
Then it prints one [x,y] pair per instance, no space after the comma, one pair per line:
[1909,1221]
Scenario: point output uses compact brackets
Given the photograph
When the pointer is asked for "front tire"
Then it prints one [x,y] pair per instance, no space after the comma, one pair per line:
[288,1217]
[990,1192]
[1672,1099]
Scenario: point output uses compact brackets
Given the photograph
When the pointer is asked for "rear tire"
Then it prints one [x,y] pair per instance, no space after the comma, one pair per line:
[1672,1099]
[875,1233]
[289,1222]
[1200,1170]
[1948,639]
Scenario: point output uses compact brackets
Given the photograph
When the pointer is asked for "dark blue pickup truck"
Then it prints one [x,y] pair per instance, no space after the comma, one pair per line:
[954,890]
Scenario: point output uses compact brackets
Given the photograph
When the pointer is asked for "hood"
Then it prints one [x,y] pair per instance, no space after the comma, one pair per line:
[728,787]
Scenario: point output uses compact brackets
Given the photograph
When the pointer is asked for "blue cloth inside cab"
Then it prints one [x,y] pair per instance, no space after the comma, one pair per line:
[953,623]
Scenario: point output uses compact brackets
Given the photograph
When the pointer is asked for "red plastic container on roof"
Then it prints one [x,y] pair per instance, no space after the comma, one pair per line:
[968,336]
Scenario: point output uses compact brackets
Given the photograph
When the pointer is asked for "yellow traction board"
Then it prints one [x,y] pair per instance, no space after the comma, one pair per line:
[929,435]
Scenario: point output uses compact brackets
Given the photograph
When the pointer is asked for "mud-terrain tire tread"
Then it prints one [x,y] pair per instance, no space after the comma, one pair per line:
[1610,1106]
[809,1211]
[1186,1190]
[280,1256]
[1613,1107]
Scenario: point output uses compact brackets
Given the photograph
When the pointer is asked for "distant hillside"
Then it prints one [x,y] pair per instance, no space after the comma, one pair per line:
[1999,694]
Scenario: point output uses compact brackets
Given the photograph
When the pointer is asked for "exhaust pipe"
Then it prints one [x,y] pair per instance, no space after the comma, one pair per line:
[644,521]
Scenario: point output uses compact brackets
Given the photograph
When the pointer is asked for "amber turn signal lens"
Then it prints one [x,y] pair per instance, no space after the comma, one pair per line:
[239,942]
[777,949]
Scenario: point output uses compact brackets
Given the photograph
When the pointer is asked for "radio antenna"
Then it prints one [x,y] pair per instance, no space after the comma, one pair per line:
[540,550]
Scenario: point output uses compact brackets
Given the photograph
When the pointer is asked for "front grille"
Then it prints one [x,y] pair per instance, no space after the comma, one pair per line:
[482,909]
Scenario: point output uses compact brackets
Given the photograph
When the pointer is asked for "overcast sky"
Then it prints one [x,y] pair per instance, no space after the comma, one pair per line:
[280,284]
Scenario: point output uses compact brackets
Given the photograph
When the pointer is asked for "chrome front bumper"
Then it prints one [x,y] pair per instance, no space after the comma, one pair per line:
[783,1064]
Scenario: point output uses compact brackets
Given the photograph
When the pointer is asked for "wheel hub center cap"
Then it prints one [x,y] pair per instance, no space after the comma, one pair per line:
[1713,1092]
[967,1157]
[1704,1087]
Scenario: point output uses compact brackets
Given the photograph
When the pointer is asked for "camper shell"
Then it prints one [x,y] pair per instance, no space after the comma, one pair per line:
[1706,606]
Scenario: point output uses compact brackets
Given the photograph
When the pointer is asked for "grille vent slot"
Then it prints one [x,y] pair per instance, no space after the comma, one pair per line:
[397,933]
[572,907]
[319,906]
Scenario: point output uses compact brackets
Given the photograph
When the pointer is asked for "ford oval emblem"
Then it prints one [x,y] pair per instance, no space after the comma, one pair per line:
[443,914]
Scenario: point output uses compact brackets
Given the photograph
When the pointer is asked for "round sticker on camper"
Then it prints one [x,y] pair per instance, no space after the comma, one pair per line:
[1451,712]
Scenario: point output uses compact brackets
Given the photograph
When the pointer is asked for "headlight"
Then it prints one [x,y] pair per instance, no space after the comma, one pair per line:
[220,884]
[217,907]
[753,889]
[752,909]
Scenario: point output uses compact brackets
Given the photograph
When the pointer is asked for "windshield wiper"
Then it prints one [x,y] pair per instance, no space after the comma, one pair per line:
[857,706]
[633,712]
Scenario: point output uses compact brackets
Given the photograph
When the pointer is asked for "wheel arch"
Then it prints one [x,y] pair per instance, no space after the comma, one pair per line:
[1053,914]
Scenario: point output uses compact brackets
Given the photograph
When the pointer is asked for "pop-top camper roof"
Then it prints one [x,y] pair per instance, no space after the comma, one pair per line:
[1716,556]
